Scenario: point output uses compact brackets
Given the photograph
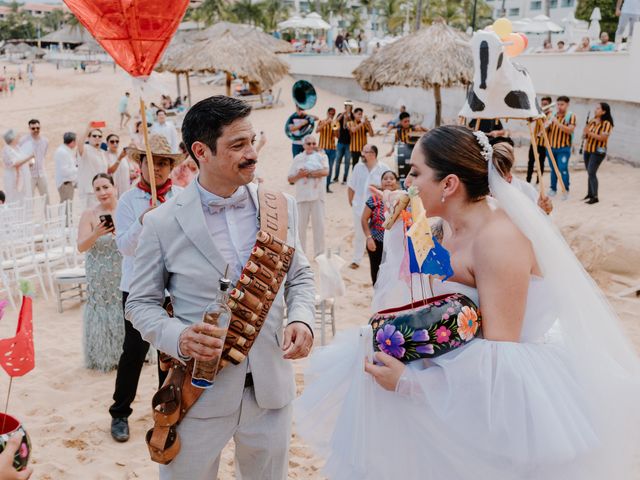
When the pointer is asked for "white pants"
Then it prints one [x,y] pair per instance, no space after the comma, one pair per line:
[41,184]
[359,241]
[315,211]
[626,19]
[261,440]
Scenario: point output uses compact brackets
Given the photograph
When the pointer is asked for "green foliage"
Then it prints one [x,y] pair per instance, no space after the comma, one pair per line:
[245,11]
[609,20]
[21,25]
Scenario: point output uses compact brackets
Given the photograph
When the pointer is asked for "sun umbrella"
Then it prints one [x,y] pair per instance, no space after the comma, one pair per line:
[435,57]
[315,22]
[245,59]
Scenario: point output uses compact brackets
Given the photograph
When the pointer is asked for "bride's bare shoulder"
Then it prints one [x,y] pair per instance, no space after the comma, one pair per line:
[500,236]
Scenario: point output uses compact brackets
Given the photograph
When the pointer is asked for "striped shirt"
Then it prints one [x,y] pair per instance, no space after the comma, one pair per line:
[403,135]
[591,144]
[359,137]
[557,137]
[327,138]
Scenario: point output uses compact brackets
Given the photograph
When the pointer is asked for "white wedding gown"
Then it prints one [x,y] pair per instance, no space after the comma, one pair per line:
[562,404]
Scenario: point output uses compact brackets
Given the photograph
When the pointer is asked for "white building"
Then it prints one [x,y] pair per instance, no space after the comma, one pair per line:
[517,9]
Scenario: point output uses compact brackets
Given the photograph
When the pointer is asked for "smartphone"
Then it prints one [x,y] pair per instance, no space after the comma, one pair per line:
[108,221]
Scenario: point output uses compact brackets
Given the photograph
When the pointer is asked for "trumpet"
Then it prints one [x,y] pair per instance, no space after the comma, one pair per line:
[335,125]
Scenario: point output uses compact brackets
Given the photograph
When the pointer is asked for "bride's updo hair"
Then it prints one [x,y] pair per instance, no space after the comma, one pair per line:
[454,150]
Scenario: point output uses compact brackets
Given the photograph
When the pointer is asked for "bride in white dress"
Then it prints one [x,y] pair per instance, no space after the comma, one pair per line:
[551,392]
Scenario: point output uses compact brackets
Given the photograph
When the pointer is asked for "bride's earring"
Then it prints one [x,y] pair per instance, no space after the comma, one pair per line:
[442,199]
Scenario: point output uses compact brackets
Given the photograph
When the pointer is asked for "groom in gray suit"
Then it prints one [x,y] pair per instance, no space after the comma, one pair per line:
[185,246]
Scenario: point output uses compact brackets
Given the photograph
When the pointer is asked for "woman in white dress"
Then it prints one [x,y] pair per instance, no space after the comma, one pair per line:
[549,392]
[17,175]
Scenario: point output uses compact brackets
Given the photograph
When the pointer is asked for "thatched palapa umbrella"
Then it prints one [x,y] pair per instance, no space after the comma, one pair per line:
[244,58]
[434,57]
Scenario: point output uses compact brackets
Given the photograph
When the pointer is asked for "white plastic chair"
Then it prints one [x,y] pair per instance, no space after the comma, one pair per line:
[56,251]
[57,211]
[21,263]
[69,285]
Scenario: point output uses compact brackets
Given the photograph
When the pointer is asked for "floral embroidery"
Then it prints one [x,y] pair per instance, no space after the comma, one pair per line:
[442,334]
[430,330]
[390,340]
[467,323]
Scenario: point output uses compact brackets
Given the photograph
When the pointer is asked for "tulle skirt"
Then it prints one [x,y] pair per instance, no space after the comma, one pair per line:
[489,410]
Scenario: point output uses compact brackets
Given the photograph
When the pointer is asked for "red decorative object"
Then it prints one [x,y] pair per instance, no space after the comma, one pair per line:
[134,32]
[17,355]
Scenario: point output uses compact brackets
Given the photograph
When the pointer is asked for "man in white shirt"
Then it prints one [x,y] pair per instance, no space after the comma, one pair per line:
[308,172]
[132,208]
[36,143]
[365,173]
[65,159]
[167,129]
[93,161]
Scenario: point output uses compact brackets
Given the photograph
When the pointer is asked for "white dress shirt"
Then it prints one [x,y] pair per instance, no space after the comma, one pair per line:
[65,161]
[92,162]
[360,180]
[17,181]
[168,131]
[39,148]
[309,189]
[121,177]
[131,206]
[232,229]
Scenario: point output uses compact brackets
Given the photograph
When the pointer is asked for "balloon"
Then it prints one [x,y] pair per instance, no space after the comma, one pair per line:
[526,40]
[502,27]
[516,45]
[134,32]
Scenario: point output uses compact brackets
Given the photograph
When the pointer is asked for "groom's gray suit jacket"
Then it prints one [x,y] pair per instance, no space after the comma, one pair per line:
[176,253]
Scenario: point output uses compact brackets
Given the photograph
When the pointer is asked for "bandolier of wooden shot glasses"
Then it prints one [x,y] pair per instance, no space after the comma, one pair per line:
[253,295]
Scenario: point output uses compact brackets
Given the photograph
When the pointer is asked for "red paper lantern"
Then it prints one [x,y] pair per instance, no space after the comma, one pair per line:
[134,32]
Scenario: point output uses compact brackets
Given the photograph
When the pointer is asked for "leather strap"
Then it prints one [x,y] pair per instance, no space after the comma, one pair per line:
[274,213]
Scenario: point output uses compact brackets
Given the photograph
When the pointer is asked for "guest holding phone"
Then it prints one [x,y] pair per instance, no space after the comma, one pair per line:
[102,318]
[596,135]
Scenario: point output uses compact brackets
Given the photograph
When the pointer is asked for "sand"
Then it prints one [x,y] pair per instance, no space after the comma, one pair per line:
[65,407]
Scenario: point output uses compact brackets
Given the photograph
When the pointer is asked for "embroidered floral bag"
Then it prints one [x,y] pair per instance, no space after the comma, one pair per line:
[426,329]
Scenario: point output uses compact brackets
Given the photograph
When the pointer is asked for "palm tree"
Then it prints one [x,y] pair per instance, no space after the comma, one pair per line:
[212,10]
[390,11]
[274,11]
[245,11]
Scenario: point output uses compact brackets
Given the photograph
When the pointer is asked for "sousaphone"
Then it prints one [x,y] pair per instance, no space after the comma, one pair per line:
[305,97]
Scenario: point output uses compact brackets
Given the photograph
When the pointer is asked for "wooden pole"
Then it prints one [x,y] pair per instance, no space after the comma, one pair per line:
[438,99]
[178,84]
[536,156]
[145,133]
[189,89]
[6,405]
[228,84]
[554,165]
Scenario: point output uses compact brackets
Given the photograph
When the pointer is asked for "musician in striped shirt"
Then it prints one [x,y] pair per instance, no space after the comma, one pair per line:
[406,132]
[560,131]
[327,140]
[596,136]
[359,128]
[542,151]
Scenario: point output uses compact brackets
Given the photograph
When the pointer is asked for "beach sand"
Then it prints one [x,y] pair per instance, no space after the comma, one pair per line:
[65,407]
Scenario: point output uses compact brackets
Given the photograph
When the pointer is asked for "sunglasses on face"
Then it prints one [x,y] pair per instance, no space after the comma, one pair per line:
[96,136]
[311,143]
[35,128]
[114,142]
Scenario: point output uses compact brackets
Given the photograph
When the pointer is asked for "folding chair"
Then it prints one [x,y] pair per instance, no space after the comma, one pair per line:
[22,263]
[55,249]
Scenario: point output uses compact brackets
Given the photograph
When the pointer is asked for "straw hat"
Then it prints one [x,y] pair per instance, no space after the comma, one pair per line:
[159,148]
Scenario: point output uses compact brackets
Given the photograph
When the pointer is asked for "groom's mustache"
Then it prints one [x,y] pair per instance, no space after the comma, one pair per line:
[248,163]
